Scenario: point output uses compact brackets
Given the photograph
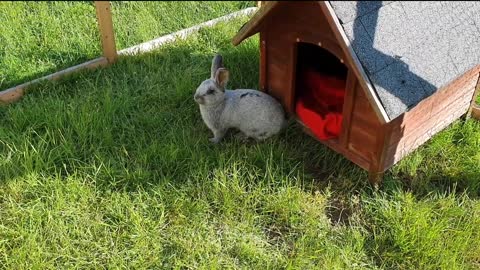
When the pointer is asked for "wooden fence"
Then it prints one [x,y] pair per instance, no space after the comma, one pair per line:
[109,48]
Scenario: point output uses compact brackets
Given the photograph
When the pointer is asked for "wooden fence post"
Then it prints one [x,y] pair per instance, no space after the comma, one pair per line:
[105,25]
[259,4]
[474,109]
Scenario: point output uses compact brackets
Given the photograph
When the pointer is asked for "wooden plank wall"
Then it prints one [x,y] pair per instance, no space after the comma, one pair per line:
[429,117]
[365,127]
[304,23]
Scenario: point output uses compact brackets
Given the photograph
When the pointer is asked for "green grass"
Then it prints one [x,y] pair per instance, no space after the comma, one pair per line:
[39,38]
[113,169]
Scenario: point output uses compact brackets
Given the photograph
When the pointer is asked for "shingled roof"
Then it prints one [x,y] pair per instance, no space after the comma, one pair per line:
[410,50]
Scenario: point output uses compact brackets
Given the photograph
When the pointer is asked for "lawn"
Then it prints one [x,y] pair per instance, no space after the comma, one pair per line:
[39,38]
[112,168]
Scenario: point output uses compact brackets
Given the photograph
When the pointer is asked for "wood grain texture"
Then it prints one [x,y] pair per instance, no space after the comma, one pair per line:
[291,79]
[105,25]
[365,127]
[475,113]
[348,108]
[377,164]
[253,25]
[335,146]
[263,61]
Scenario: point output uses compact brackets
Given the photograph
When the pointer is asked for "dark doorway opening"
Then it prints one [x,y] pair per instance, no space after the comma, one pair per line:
[320,84]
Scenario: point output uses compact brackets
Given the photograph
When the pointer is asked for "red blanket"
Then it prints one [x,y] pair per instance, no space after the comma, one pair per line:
[320,104]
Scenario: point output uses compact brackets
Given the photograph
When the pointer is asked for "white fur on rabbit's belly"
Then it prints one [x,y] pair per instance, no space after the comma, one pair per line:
[255,112]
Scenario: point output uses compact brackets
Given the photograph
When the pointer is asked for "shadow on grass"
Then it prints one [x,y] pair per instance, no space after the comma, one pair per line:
[135,125]
[59,65]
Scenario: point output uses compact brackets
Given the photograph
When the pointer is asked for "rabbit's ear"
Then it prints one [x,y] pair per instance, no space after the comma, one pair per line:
[217,63]
[221,77]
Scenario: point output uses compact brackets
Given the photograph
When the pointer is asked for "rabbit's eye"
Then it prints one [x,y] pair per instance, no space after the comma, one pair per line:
[210,91]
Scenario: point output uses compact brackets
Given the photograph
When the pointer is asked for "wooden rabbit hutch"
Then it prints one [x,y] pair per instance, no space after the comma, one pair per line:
[372,80]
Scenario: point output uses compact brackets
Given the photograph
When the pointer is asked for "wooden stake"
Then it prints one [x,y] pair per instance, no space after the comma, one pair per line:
[105,24]
[475,112]
[474,109]
[375,179]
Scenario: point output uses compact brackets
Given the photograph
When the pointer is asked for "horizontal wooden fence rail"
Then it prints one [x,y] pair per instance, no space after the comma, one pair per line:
[182,34]
[15,93]
[109,50]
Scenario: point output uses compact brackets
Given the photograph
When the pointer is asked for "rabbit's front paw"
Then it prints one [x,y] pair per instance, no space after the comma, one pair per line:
[215,140]
[217,135]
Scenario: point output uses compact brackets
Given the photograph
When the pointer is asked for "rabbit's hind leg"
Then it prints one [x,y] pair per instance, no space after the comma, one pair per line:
[241,136]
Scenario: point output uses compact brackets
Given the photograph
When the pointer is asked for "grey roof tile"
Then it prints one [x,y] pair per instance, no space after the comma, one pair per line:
[372,60]
[424,44]
[347,12]
[398,87]
[464,49]
[430,64]
[387,38]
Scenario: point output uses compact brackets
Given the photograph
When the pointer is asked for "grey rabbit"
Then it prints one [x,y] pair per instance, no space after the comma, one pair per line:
[254,113]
